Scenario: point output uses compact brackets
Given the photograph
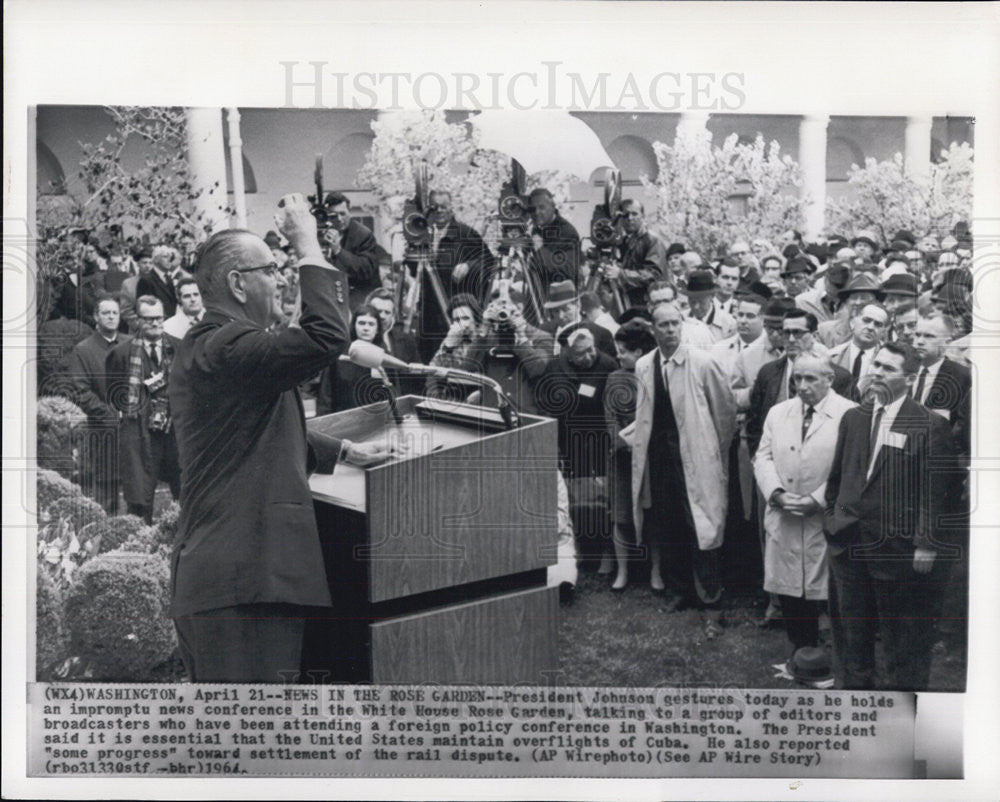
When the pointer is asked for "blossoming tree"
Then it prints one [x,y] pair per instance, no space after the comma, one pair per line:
[886,198]
[708,196]
[473,176]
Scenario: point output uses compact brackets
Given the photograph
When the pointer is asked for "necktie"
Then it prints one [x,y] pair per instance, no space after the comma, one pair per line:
[873,435]
[807,421]
[918,393]
[154,355]
[856,369]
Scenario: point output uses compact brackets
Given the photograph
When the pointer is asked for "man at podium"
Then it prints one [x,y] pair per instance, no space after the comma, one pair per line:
[247,568]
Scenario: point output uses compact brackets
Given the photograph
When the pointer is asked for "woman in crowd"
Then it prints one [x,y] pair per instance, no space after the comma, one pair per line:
[346,385]
[632,340]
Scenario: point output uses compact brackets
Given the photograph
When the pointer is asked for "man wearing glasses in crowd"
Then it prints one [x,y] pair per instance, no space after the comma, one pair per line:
[138,378]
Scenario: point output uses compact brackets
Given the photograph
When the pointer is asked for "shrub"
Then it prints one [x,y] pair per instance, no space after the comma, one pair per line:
[58,420]
[78,510]
[142,541]
[116,613]
[113,533]
[51,644]
[166,524]
[51,486]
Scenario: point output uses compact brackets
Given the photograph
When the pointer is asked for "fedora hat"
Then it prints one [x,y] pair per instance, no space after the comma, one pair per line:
[700,282]
[862,282]
[810,664]
[776,308]
[799,264]
[755,290]
[901,284]
[560,294]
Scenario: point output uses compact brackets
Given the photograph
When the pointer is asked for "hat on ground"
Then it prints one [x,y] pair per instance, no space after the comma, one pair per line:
[560,294]
[865,236]
[700,282]
[901,284]
[675,248]
[810,664]
[862,282]
[799,264]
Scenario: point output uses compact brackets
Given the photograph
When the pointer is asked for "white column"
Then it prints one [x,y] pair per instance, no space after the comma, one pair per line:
[812,160]
[918,146]
[236,164]
[207,162]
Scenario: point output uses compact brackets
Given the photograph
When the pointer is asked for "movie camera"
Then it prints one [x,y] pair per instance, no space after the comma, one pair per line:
[606,236]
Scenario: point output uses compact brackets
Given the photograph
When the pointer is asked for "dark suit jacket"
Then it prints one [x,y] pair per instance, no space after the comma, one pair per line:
[247,532]
[135,442]
[152,284]
[952,391]
[559,257]
[886,517]
[575,398]
[358,258]
[87,370]
[766,390]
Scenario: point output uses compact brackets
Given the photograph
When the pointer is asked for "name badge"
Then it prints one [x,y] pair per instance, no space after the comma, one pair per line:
[895,439]
[587,390]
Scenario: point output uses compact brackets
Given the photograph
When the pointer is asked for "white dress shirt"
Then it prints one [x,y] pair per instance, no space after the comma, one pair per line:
[885,425]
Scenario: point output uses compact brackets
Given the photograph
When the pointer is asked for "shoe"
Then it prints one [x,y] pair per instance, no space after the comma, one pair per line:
[619,588]
[567,592]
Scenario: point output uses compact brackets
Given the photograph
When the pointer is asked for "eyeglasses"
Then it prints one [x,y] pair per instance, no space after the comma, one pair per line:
[795,333]
[151,318]
[271,269]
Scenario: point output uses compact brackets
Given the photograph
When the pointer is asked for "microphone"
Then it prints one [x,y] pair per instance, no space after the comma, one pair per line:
[369,355]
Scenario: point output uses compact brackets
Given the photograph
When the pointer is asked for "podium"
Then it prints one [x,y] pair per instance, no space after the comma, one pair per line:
[436,559]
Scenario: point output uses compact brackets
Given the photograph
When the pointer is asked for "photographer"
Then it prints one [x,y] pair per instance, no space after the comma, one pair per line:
[507,349]
[555,243]
[138,375]
[643,257]
[351,247]
[462,262]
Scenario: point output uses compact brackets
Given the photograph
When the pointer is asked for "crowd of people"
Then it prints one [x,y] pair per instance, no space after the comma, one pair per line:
[784,416]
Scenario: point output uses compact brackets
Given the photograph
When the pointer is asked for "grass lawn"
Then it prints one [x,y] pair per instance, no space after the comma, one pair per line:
[629,640]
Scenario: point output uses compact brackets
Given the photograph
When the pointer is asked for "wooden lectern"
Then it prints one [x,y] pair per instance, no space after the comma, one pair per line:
[437,559]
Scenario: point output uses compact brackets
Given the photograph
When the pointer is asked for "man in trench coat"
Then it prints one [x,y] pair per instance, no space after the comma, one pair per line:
[685,417]
[791,467]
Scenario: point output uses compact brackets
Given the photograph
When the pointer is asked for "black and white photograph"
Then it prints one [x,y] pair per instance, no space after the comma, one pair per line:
[570,412]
